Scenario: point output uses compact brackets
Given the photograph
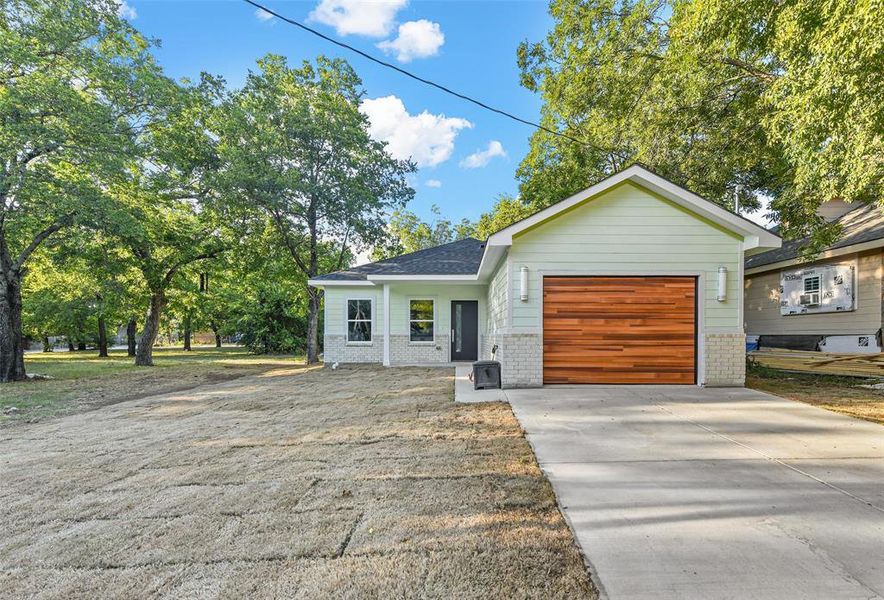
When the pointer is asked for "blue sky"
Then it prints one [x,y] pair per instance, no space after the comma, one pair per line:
[467,155]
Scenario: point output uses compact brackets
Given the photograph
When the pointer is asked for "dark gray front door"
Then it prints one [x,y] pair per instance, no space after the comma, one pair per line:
[464,329]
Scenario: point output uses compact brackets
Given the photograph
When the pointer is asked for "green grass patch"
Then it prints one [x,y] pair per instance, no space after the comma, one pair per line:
[846,395]
[81,380]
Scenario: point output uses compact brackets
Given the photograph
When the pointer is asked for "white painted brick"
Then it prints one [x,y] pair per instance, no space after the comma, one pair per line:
[725,355]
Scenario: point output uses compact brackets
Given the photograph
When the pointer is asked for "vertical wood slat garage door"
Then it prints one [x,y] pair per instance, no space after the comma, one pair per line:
[619,330]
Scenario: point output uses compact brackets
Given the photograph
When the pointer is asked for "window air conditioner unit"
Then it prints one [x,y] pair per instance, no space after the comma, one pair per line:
[809,299]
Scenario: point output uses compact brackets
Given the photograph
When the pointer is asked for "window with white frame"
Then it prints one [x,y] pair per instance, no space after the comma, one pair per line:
[359,320]
[812,284]
[422,317]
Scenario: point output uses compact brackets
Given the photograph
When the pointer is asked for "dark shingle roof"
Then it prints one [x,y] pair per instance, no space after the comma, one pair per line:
[862,224]
[456,258]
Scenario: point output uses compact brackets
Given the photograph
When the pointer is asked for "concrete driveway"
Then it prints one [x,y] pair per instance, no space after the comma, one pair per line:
[684,492]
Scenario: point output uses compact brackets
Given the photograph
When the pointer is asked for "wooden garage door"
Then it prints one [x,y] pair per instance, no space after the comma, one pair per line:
[619,329]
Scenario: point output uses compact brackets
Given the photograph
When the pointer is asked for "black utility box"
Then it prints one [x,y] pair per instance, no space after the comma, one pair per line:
[486,375]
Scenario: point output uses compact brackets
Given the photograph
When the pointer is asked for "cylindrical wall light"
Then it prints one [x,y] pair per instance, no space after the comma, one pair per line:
[722,284]
[523,284]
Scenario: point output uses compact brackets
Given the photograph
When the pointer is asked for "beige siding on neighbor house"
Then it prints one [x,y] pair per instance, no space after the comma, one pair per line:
[763,316]
[628,230]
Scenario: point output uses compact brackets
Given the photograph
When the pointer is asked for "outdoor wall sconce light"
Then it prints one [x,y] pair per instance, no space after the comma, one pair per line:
[722,284]
[523,284]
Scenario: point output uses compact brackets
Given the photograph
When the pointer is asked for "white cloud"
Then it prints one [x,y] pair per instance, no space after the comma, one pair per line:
[426,138]
[263,15]
[124,11]
[416,39]
[361,17]
[433,183]
[481,158]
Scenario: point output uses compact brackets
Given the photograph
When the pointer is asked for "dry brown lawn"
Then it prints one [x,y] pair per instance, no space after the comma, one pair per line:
[846,395]
[81,381]
[299,483]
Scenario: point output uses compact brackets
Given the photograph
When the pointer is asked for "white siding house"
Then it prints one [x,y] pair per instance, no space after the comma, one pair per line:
[634,231]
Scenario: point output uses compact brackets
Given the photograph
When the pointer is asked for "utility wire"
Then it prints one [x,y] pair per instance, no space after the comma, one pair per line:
[411,75]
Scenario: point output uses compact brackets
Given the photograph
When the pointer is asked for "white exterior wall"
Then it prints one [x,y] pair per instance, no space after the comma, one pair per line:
[497,310]
[628,230]
[402,351]
[625,230]
[336,348]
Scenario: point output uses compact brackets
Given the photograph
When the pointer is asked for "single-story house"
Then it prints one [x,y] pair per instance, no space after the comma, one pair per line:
[831,304]
[633,280]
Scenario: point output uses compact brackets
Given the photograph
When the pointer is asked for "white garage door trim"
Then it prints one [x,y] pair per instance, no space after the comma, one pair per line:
[701,300]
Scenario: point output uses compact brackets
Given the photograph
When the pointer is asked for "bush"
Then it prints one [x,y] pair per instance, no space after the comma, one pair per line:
[270,323]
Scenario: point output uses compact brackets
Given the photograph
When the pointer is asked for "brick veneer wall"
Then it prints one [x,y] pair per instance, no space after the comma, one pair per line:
[403,352]
[520,356]
[725,355]
[336,349]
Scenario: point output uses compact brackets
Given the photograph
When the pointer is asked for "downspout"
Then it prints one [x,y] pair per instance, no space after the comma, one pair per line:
[386,324]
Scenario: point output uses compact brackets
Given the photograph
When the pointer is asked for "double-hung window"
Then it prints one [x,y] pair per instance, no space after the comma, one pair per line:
[422,321]
[359,321]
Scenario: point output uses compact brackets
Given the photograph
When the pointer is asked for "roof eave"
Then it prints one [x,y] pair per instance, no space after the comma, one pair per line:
[467,278]
[754,236]
[323,283]
[833,253]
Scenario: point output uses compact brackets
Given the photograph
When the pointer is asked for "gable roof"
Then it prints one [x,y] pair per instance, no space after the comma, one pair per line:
[473,260]
[861,225]
[646,178]
[754,235]
[456,258]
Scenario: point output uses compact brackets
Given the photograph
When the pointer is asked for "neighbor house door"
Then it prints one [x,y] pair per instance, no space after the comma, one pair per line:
[464,329]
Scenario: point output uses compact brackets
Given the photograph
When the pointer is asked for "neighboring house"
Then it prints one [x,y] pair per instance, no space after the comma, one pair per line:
[831,304]
[634,280]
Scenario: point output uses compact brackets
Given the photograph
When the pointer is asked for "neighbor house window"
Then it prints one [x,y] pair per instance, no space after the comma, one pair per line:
[358,320]
[421,321]
[812,284]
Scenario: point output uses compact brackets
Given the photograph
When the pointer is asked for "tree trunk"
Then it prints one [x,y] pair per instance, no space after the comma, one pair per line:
[144,352]
[131,332]
[12,351]
[214,329]
[47,347]
[313,325]
[102,337]
[188,331]
[71,347]
[81,346]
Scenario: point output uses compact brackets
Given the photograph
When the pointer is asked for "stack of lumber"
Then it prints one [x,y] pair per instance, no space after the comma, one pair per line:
[823,363]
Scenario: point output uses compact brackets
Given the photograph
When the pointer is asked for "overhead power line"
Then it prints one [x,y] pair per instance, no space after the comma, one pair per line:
[411,75]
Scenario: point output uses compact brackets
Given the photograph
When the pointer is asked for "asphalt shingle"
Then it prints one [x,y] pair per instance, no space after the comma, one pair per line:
[862,224]
[456,258]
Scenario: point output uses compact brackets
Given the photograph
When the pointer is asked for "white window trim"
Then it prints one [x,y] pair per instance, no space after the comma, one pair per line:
[819,284]
[435,321]
[347,320]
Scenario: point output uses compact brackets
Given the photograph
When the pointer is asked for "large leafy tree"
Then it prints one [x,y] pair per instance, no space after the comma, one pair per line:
[81,285]
[170,218]
[728,98]
[505,211]
[408,233]
[295,149]
[75,83]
